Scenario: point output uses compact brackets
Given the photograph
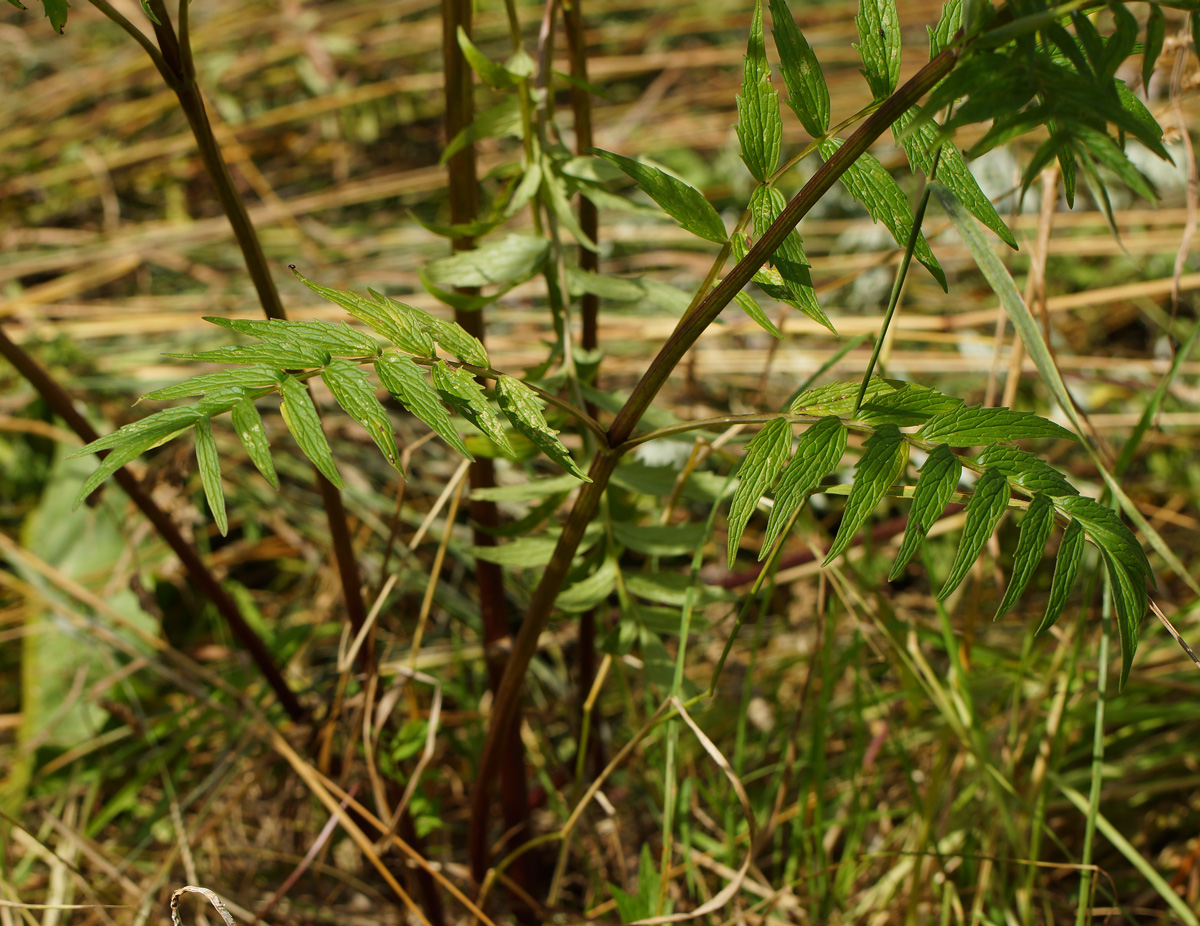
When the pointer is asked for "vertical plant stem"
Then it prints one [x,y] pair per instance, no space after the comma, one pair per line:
[464,208]
[505,710]
[60,403]
[1083,910]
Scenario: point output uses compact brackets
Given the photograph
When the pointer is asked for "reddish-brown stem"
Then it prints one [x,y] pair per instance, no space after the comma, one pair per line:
[60,403]
[506,709]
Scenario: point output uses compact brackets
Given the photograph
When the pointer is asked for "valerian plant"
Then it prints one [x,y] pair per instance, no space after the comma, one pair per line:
[1024,67]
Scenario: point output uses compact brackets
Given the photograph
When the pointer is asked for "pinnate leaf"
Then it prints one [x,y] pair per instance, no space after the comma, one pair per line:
[354,393]
[252,377]
[746,303]
[879,45]
[1129,600]
[885,454]
[1066,568]
[454,338]
[910,404]
[936,482]
[465,396]
[819,450]
[394,320]
[682,202]
[984,511]
[320,337]
[209,464]
[765,456]
[405,381]
[759,127]
[1023,469]
[1156,27]
[128,443]
[524,409]
[300,416]
[972,425]
[1106,529]
[808,94]
[1031,543]
[869,182]
[505,262]
[248,424]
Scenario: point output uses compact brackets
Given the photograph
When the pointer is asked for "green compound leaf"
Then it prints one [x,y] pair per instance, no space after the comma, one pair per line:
[1129,601]
[808,94]
[879,45]
[355,394]
[250,430]
[796,290]
[765,456]
[405,381]
[919,145]
[506,263]
[819,450]
[984,511]
[291,356]
[320,337]
[492,74]
[1109,533]
[209,465]
[684,203]
[885,454]
[1031,543]
[766,205]
[1156,27]
[747,304]
[524,409]
[300,416]
[394,320]
[907,406]
[1023,469]
[869,182]
[590,592]
[759,126]
[1066,568]
[936,482]
[254,377]
[941,35]
[130,442]
[56,12]
[454,338]
[973,425]
[465,396]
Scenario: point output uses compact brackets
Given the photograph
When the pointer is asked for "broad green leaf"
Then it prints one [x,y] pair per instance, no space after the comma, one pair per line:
[454,338]
[819,450]
[765,455]
[524,552]
[130,442]
[56,12]
[986,507]
[885,454]
[1031,544]
[746,303]
[759,127]
[671,588]
[250,430]
[682,202]
[766,205]
[405,381]
[1023,469]
[972,425]
[941,35]
[1066,568]
[838,398]
[533,491]
[559,200]
[1129,601]
[408,321]
[936,482]
[808,94]
[909,405]
[506,263]
[615,289]
[590,592]
[317,335]
[523,408]
[492,74]
[879,45]
[919,145]
[788,265]
[209,464]
[499,121]
[660,539]
[1106,529]
[869,182]
[1156,27]
[294,355]
[465,396]
[255,377]
[390,318]
[300,416]
[355,394]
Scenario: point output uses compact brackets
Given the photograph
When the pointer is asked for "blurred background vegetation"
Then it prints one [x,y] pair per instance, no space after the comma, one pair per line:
[917,763]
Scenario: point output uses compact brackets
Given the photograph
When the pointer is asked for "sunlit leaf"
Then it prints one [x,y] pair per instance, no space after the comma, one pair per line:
[209,464]
[818,451]
[253,377]
[355,394]
[936,482]
[465,396]
[1105,527]
[973,425]
[1066,568]
[321,337]
[506,262]
[765,455]
[879,45]
[684,203]
[405,381]
[590,592]
[1129,601]
[248,425]
[746,303]
[1023,469]
[523,408]
[759,127]
[885,454]
[986,507]
[808,94]
[300,416]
